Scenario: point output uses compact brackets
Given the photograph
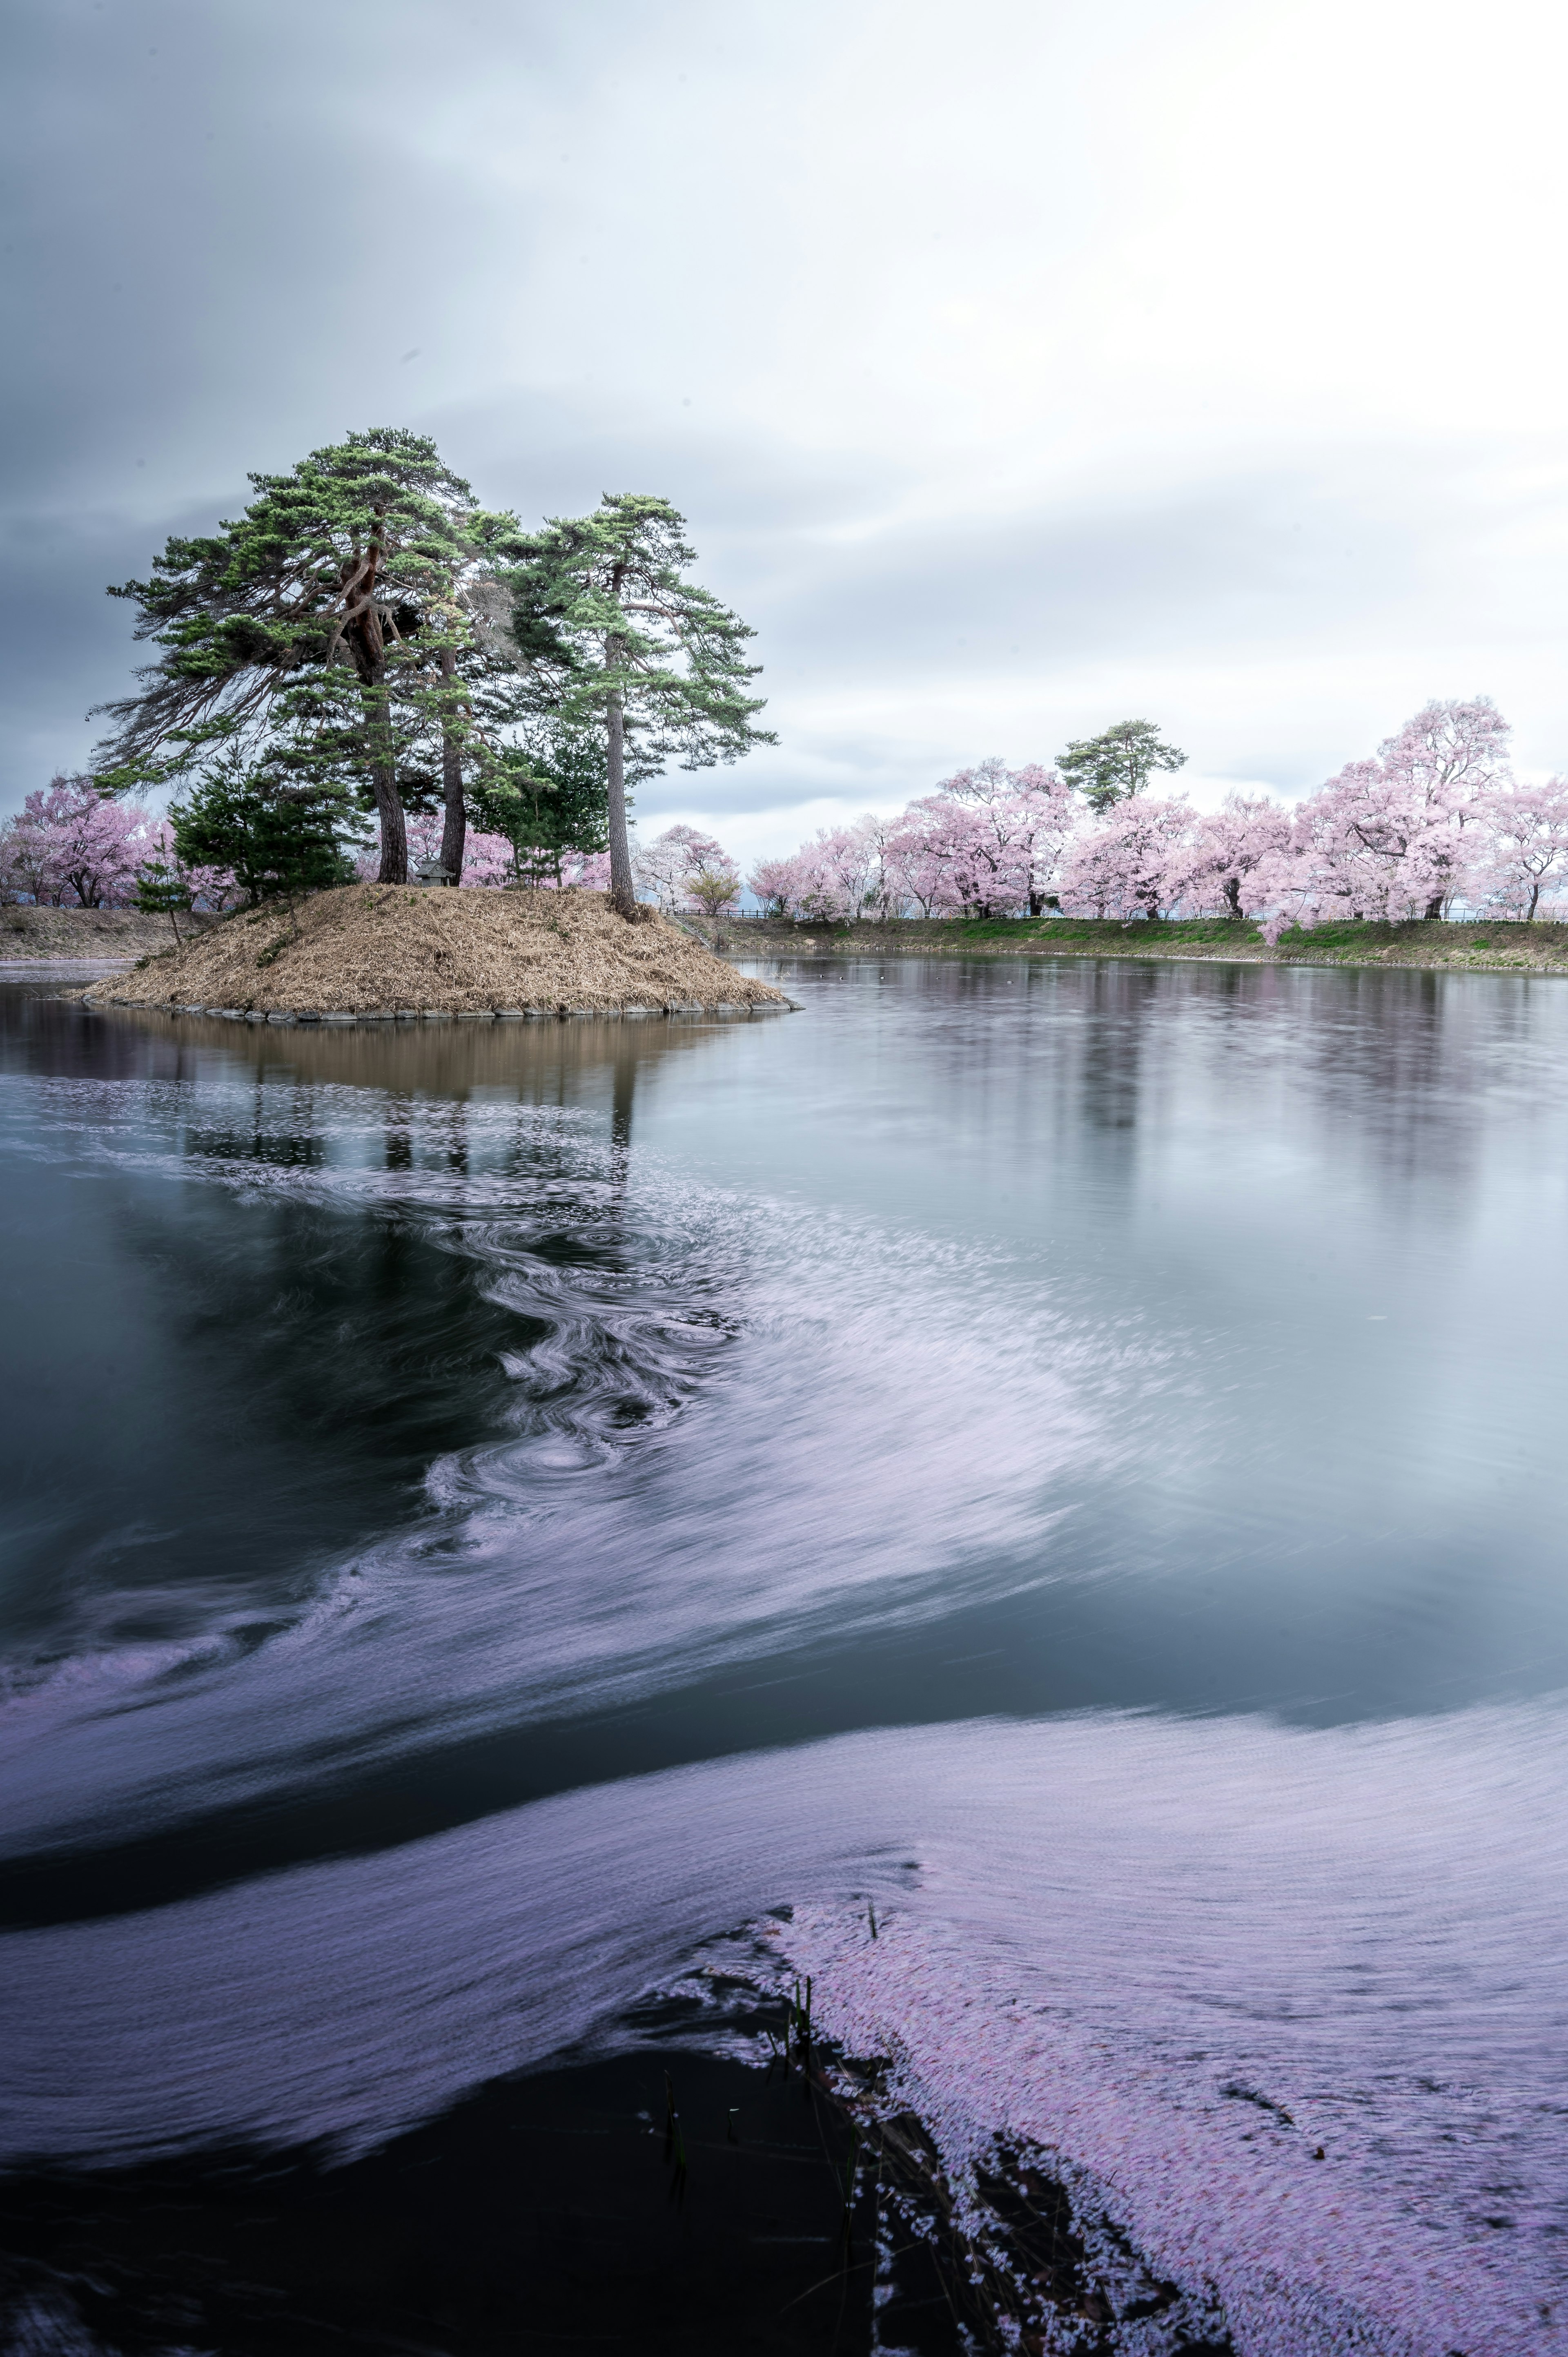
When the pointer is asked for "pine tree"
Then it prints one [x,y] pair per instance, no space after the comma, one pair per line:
[613,635]
[161,890]
[343,613]
[551,795]
[1114,767]
[277,841]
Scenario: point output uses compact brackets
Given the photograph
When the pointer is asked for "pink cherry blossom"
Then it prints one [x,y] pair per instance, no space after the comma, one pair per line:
[1123,865]
[665,865]
[1392,838]
[1211,869]
[965,856]
[487,858]
[213,888]
[843,873]
[777,884]
[838,874]
[986,843]
[1025,817]
[586,871]
[69,846]
[1523,845]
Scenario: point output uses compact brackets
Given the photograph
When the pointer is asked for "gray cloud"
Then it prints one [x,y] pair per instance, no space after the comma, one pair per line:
[776,268]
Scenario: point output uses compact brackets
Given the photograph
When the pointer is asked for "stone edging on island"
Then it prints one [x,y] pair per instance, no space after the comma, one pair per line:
[285,1016]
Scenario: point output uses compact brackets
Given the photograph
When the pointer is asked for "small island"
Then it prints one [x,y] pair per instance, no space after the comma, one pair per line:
[377,952]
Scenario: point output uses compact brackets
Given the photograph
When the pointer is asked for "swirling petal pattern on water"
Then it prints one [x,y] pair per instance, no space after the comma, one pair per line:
[915,1456]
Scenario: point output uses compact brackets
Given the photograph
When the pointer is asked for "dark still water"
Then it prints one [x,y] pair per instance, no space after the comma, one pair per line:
[503,1521]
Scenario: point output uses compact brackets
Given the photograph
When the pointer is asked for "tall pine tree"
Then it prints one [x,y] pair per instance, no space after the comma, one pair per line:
[1112,767]
[352,611]
[613,635]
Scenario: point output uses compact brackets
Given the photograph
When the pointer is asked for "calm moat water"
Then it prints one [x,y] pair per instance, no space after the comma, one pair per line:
[1070,1456]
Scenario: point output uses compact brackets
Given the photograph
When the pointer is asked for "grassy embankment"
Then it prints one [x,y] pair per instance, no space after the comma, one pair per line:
[1501,947]
[49,935]
[1495,947]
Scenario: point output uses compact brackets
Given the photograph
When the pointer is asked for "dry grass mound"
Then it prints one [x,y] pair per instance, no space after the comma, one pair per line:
[389,949]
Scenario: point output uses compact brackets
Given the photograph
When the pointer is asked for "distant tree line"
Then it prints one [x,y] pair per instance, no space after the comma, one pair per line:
[1436,821]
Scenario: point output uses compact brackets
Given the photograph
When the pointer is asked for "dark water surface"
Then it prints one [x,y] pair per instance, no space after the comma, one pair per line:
[1071,1456]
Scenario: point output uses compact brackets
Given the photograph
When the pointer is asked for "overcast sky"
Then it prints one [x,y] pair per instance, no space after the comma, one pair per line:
[1020,368]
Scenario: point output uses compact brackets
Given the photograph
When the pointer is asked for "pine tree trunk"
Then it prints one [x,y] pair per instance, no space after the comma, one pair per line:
[367,646]
[454,828]
[383,785]
[623,889]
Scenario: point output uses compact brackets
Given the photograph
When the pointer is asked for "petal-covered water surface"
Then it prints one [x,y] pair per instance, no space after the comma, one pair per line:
[1062,1454]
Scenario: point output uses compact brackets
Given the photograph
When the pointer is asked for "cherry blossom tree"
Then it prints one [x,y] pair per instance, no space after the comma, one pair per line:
[843,873]
[888,893]
[990,780]
[1391,838]
[569,871]
[69,845]
[1123,866]
[206,887]
[26,861]
[488,860]
[959,860]
[1524,845]
[665,865]
[585,871]
[1442,771]
[840,874]
[1435,816]
[1325,871]
[917,862]
[987,842]
[1043,818]
[777,884]
[1212,868]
